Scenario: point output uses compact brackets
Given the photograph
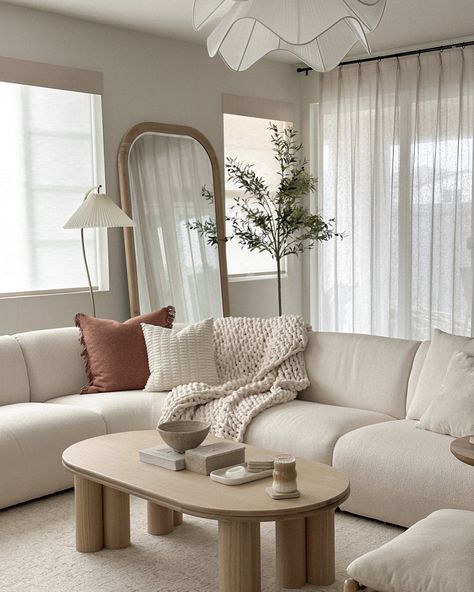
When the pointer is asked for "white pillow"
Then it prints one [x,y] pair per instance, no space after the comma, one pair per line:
[442,347]
[452,411]
[434,555]
[180,356]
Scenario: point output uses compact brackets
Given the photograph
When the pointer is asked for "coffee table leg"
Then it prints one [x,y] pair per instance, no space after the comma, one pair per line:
[239,556]
[177,518]
[291,553]
[89,515]
[160,519]
[116,519]
[320,553]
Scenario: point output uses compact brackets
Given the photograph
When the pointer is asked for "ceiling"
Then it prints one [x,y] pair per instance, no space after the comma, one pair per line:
[406,23]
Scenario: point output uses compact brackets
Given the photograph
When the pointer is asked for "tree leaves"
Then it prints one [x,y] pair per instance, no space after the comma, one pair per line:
[274,222]
[277,222]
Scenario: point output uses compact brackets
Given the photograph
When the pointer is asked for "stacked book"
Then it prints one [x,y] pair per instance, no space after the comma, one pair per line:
[203,459]
[260,463]
[163,456]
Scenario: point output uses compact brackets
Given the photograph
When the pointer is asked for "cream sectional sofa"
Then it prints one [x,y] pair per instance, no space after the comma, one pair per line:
[352,416]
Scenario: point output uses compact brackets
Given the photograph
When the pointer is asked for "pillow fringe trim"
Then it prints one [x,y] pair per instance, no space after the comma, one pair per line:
[171,312]
[84,354]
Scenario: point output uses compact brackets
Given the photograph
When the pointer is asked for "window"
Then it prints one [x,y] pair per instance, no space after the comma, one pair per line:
[248,140]
[51,154]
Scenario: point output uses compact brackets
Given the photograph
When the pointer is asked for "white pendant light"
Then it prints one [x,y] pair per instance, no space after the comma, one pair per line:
[319,32]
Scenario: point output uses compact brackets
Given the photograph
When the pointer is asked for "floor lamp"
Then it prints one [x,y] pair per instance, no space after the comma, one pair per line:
[97,211]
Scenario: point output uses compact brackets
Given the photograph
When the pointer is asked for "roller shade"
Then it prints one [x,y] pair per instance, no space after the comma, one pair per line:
[257,107]
[50,76]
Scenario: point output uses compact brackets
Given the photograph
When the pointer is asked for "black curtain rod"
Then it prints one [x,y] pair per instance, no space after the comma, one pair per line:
[307,69]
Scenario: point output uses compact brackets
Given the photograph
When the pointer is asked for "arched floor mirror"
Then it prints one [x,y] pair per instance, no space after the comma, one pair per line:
[163,170]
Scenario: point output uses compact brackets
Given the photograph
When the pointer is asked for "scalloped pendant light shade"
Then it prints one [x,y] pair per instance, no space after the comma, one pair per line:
[319,32]
[98,211]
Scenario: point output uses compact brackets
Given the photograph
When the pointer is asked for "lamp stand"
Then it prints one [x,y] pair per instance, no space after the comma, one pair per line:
[91,292]
[96,211]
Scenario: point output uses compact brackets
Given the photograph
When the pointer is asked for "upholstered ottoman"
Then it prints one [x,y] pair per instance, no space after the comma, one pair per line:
[434,555]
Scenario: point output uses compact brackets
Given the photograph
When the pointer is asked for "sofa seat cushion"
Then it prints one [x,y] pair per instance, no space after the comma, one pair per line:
[33,437]
[122,411]
[307,429]
[400,473]
[434,555]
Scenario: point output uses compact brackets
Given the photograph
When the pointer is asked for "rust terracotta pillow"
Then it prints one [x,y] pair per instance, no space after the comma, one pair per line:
[115,353]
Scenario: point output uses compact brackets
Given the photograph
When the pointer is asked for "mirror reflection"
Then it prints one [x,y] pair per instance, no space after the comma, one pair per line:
[167,175]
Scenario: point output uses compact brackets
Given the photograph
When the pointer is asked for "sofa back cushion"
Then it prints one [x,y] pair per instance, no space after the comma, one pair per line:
[14,386]
[361,371]
[418,362]
[53,361]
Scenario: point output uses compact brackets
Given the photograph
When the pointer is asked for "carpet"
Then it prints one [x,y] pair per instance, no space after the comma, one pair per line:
[37,552]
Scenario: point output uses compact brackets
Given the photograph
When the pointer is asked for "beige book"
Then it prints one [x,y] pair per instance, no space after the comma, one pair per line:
[210,457]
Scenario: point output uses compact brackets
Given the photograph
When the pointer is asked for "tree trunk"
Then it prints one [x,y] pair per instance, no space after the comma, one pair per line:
[278,262]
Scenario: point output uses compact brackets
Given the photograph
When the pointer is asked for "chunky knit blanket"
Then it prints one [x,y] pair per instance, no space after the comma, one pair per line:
[260,364]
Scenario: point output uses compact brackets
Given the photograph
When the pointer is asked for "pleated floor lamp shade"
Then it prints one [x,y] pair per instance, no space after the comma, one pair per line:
[319,32]
[96,211]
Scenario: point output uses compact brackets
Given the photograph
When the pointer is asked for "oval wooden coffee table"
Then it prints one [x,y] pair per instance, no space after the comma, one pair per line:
[107,470]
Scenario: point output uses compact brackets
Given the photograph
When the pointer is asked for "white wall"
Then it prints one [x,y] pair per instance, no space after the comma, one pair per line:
[259,297]
[145,78]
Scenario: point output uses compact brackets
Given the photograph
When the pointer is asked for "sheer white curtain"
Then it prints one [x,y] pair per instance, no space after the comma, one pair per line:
[395,166]
[174,264]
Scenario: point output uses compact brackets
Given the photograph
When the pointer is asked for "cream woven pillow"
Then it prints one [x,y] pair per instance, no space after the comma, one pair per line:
[434,555]
[180,356]
[442,347]
[452,411]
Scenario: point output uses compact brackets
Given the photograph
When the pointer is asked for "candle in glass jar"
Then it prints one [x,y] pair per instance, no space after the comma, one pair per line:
[284,474]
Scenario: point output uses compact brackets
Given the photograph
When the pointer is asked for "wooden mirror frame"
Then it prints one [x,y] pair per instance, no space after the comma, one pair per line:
[125,146]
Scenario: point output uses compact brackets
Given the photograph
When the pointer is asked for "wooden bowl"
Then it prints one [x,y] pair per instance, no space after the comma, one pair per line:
[183,435]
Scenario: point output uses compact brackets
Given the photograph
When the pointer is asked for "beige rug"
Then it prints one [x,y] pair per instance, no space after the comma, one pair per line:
[37,552]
